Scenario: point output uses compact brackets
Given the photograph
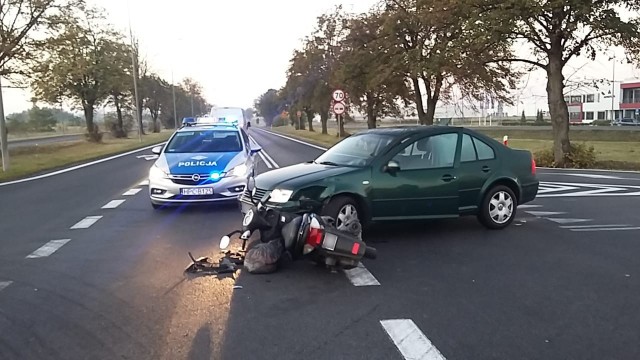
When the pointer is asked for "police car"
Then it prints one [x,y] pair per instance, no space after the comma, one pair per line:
[204,161]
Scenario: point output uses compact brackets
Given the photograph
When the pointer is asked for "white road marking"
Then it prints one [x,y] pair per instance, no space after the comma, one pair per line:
[557,189]
[607,229]
[568,221]
[273,162]
[86,222]
[594,176]
[4,284]
[591,226]
[410,341]
[544,213]
[292,139]
[131,192]
[76,167]
[144,183]
[526,206]
[360,276]
[113,204]
[148,157]
[265,161]
[546,188]
[48,248]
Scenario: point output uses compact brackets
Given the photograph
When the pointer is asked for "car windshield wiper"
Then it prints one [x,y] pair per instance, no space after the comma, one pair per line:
[330,163]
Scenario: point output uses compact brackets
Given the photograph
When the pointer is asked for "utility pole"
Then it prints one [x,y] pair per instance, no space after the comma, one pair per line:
[3,134]
[613,90]
[134,54]
[175,112]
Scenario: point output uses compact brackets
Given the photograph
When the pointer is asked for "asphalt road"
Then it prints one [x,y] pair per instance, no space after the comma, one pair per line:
[43,140]
[562,282]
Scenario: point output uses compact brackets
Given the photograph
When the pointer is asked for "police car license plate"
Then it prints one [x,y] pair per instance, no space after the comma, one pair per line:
[197,191]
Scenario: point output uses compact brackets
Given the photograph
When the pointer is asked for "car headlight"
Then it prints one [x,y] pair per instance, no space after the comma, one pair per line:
[156,173]
[280,196]
[240,170]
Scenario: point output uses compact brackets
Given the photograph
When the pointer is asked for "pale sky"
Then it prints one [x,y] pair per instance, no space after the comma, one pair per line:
[238,49]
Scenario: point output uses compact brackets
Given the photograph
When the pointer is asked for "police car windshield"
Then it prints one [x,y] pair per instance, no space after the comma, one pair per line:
[205,141]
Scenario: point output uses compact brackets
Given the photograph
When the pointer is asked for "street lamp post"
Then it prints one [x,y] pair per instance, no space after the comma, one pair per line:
[175,111]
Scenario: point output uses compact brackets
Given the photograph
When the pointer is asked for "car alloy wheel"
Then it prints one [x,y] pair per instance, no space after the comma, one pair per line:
[501,207]
[347,214]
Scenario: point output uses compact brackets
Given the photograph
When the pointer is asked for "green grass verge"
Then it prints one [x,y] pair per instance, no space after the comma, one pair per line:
[32,160]
[613,155]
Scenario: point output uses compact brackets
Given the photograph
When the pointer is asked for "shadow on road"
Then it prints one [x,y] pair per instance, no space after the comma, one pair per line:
[201,345]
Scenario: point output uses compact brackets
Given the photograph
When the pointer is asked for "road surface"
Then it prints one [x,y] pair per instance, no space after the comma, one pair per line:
[79,281]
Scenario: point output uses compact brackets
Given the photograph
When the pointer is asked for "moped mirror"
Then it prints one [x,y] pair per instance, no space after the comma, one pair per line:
[224,242]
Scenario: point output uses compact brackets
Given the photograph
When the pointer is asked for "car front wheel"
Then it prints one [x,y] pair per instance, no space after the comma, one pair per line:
[498,208]
[344,210]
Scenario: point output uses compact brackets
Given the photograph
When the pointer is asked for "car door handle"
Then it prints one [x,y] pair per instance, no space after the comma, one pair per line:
[447,178]
[486,168]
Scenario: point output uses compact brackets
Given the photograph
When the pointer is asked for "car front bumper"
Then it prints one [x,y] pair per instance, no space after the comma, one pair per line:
[166,191]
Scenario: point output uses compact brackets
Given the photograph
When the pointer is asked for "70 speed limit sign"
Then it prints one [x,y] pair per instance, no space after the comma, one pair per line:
[338,95]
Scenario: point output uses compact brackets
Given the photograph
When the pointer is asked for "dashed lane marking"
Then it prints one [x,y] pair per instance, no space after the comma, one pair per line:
[544,213]
[86,222]
[131,192]
[568,221]
[113,204]
[527,206]
[265,161]
[360,276]
[410,341]
[48,248]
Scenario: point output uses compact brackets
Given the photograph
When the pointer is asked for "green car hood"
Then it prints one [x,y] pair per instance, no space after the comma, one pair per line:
[300,175]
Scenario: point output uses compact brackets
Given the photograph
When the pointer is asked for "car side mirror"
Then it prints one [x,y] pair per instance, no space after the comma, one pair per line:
[255,150]
[156,150]
[392,167]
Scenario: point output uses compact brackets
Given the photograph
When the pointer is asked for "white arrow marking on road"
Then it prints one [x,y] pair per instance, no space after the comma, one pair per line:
[147,157]
[113,204]
[131,192]
[411,342]
[544,213]
[4,284]
[86,222]
[360,276]
[568,221]
[554,188]
[48,248]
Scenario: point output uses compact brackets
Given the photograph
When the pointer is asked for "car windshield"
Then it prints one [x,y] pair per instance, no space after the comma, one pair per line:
[356,150]
[205,141]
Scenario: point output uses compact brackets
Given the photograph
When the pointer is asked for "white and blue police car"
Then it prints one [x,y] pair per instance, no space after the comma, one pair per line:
[202,162]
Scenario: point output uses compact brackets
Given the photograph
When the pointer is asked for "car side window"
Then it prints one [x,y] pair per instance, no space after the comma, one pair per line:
[485,152]
[438,151]
[468,151]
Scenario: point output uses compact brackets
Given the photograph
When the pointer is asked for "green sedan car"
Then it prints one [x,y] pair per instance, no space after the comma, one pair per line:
[405,173]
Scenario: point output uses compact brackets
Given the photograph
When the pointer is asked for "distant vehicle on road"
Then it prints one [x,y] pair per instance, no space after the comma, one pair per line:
[188,121]
[231,115]
[404,173]
[626,122]
[202,163]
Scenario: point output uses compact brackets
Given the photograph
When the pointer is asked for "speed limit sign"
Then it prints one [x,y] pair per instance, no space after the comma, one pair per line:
[338,95]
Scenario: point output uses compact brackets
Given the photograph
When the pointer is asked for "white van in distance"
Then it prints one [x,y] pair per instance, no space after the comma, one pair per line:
[231,115]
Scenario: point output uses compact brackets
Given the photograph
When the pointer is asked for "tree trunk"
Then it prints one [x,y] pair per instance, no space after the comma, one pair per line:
[418,94]
[120,123]
[558,108]
[371,112]
[140,109]
[302,127]
[432,97]
[154,117]
[309,119]
[324,117]
[341,132]
[431,111]
[93,133]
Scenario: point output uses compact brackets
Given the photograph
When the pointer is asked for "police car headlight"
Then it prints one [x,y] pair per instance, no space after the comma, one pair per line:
[157,173]
[240,170]
[280,196]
